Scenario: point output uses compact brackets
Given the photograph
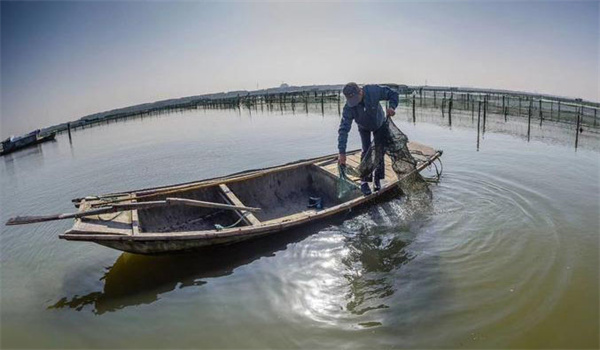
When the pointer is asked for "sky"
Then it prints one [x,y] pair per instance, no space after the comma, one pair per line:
[64,60]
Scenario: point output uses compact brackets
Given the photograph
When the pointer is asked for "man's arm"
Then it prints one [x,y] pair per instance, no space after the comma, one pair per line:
[387,94]
[344,129]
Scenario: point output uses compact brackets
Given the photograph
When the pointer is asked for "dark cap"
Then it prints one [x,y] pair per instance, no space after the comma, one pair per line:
[352,93]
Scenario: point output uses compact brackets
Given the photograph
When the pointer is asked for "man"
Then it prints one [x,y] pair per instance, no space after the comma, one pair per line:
[362,106]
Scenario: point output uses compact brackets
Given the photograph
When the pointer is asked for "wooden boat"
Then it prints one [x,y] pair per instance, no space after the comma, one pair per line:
[282,193]
[33,138]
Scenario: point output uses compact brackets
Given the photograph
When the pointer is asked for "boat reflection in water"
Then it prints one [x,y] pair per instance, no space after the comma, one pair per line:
[140,279]
[371,254]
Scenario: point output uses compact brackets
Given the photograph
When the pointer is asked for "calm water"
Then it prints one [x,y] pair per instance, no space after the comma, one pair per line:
[505,257]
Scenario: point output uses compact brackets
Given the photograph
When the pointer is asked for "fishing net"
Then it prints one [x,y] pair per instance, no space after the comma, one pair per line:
[394,143]
[344,185]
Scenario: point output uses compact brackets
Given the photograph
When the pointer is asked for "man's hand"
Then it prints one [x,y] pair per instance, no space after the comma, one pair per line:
[342,159]
[390,112]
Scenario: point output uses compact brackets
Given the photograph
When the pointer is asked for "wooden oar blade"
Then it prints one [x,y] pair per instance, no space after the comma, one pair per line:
[23,220]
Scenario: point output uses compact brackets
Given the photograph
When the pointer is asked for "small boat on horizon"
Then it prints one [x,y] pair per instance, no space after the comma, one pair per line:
[13,143]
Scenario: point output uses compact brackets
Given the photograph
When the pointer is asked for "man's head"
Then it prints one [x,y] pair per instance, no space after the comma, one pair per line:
[353,94]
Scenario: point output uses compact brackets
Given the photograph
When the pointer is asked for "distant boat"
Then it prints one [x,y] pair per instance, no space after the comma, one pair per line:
[227,209]
[12,143]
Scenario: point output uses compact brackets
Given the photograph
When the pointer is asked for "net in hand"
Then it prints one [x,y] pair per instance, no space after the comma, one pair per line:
[393,142]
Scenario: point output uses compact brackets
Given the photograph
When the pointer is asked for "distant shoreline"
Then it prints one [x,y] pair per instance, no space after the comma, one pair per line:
[192,101]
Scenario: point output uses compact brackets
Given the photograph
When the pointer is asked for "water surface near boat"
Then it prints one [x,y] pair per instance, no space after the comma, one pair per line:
[506,255]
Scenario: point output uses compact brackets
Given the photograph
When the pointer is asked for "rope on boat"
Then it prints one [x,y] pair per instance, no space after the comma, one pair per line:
[221,227]
[112,218]
[193,221]
[102,201]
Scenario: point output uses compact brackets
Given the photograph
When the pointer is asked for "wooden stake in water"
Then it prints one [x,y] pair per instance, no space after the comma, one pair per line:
[485,101]
[478,122]
[450,111]
[541,115]
[306,102]
[529,121]
[413,106]
[578,126]
[443,105]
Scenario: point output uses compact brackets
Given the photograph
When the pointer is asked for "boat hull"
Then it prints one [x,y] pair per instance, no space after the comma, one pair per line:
[282,192]
[176,243]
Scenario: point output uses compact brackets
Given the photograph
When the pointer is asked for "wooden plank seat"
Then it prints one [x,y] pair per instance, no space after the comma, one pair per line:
[230,197]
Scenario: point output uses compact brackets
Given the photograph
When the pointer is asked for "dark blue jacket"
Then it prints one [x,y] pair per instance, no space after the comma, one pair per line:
[368,114]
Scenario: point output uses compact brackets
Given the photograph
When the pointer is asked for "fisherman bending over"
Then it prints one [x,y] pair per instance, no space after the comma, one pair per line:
[362,106]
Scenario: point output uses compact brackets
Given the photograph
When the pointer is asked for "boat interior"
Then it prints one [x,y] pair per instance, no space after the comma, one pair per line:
[278,194]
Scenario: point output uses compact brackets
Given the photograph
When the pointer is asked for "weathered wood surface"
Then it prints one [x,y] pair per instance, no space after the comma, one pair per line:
[244,175]
[420,152]
[246,214]
[203,204]
[121,224]
[241,190]
[164,190]
[135,220]
[22,220]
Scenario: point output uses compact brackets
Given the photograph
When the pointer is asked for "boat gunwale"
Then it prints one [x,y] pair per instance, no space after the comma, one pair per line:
[186,186]
[242,175]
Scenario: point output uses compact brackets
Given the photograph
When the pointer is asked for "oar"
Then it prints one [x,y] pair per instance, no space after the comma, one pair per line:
[195,203]
[22,220]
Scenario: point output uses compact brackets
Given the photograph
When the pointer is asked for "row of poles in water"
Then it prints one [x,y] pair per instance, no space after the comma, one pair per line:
[484,103]
[574,114]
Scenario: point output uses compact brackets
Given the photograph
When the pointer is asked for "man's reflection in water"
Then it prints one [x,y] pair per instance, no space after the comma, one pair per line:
[375,252]
[372,256]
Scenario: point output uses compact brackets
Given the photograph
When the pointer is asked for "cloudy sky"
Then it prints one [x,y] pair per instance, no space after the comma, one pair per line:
[63,60]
